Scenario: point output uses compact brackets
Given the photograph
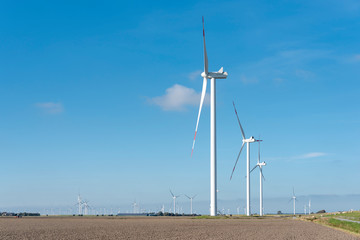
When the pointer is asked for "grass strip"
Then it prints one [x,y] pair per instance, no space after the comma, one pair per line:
[350,226]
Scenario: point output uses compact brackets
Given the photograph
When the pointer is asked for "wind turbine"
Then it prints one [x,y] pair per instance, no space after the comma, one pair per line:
[309,206]
[294,199]
[86,207]
[260,165]
[79,204]
[134,204]
[213,76]
[174,198]
[191,199]
[247,141]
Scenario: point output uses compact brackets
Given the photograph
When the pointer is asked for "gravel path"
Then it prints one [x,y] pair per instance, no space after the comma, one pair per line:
[347,220]
[164,228]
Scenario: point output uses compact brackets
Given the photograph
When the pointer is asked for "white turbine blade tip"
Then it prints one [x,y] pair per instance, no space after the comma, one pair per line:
[237,159]
[237,116]
[203,92]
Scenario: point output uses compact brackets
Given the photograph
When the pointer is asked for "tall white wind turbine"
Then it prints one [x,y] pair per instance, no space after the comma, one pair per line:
[134,205]
[247,141]
[309,207]
[86,207]
[174,198]
[191,200]
[212,76]
[79,204]
[260,165]
[294,200]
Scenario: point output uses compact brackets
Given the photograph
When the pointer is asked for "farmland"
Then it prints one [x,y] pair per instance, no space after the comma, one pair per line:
[164,228]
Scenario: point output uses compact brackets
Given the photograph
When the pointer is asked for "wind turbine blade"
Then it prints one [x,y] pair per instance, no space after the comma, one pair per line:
[259,151]
[293,192]
[194,196]
[205,54]
[171,193]
[253,168]
[242,130]
[187,196]
[262,174]
[237,159]
[203,92]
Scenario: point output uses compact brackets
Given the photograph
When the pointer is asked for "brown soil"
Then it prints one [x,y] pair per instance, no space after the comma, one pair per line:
[163,228]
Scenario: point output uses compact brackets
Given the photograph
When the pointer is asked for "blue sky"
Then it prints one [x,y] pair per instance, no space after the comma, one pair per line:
[102,98]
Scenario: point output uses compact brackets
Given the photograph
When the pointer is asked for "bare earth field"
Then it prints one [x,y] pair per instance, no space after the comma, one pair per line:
[163,228]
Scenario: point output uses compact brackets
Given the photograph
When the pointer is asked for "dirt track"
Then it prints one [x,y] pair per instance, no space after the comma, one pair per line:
[164,228]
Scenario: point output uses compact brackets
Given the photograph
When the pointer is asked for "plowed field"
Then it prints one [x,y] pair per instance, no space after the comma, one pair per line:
[163,228]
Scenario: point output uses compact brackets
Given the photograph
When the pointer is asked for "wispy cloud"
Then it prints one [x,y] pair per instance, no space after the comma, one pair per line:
[195,74]
[247,80]
[283,65]
[304,74]
[300,157]
[50,107]
[177,97]
[310,155]
[356,58]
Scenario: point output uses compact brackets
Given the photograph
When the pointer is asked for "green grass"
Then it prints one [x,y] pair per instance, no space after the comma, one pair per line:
[350,226]
[355,215]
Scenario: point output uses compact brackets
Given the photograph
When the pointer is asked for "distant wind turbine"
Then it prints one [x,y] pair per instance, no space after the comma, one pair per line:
[247,141]
[174,198]
[213,76]
[79,204]
[134,205]
[294,200]
[260,165]
[86,207]
[191,200]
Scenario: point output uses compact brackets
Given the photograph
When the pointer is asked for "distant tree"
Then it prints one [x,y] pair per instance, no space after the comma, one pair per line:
[321,211]
[279,212]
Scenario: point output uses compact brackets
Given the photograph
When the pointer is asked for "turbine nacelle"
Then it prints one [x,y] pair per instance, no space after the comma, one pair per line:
[217,75]
[261,164]
[250,140]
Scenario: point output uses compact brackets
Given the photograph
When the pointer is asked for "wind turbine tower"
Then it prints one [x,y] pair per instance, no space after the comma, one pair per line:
[191,200]
[174,198]
[309,207]
[294,200]
[212,76]
[86,207]
[134,205]
[247,141]
[79,203]
[260,165]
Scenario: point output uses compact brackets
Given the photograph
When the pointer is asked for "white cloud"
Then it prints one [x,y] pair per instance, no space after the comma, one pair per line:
[50,107]
[278,80]
[356,58]
[304,74]
[247,80]
[310,155]
[177,98]
[299,157]
[195,74]
[290,64]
